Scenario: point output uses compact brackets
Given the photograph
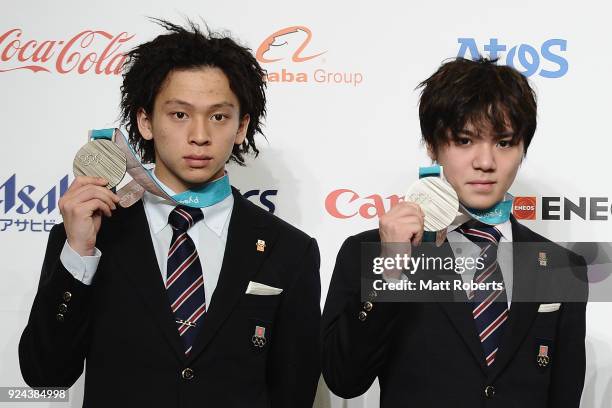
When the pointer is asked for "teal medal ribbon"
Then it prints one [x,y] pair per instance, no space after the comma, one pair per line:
[497,214]
[205,195]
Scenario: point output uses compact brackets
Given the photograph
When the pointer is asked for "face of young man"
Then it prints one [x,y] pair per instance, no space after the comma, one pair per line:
[195,123]
[481,165]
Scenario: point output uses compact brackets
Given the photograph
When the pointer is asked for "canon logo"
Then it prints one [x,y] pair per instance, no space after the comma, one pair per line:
[345,203]
[86,52]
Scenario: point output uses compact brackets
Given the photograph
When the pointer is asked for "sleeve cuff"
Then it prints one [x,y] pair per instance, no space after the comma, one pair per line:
[83,268]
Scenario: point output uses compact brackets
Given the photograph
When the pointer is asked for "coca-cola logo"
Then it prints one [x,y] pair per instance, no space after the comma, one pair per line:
[86,52]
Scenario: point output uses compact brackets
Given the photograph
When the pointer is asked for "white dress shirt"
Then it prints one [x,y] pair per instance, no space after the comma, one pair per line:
[208,235]
[463,247]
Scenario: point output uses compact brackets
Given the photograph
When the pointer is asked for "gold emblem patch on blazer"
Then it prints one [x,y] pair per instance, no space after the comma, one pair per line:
[261,245]
[543,358]
[543,259]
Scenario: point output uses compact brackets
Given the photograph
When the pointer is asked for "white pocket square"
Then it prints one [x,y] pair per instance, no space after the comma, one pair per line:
[256,288]
[549,307]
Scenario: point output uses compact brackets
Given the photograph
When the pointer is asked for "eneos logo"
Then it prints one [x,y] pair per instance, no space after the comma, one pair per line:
[524,57]
[86,52]
[524,208]
[345,203]
[290,47]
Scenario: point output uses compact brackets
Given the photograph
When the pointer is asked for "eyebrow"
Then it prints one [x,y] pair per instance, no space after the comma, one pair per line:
[177,102]
[499,135]
[224,104]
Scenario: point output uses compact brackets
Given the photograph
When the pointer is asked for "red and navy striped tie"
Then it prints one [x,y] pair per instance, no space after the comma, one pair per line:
[185,282]
[489,307]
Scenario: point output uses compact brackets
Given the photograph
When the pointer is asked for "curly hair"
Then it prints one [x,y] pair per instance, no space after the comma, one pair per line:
[148,64]
[477,91]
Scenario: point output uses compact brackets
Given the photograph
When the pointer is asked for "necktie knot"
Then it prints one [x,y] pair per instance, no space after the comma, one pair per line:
[182,217]
[477,231]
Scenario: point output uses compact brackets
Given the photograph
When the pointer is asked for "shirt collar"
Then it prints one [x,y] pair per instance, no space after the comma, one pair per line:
[505,228]
[158,209]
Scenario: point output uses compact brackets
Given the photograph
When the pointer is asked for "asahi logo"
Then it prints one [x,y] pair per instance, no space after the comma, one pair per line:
[94,52]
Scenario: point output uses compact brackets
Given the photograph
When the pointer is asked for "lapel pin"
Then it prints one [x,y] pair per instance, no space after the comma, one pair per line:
[543,358]
[259,338]
[261,245]
[542,258]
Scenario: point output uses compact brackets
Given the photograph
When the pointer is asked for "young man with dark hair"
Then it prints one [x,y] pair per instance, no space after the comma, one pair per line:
[499,349]
[179,306]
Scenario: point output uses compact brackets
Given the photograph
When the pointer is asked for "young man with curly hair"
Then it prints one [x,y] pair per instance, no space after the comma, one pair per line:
[170,305]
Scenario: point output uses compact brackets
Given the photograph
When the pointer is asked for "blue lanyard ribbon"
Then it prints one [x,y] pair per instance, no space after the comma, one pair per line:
[205,195]
[497,214]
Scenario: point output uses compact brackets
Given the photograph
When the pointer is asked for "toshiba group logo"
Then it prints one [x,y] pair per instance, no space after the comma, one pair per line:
[94,52]
[287,58]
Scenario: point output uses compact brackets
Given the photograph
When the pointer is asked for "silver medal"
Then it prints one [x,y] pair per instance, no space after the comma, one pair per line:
[437,199]
[101,158]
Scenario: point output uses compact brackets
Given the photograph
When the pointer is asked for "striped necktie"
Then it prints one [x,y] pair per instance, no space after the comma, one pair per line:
[489,307]
[185,282]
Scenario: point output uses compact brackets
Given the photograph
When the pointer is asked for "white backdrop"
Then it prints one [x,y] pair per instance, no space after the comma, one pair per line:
[344,119]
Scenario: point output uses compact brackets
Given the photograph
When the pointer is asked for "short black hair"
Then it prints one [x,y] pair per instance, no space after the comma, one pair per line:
[477,91]
[148,65]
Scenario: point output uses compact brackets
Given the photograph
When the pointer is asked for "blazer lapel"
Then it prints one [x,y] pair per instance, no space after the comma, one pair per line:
[140,264]
[521,314]
[459,311]
[240,262]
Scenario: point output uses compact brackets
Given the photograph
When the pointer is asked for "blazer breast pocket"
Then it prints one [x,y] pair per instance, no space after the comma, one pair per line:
[258,307]
[249,301]
[547,320]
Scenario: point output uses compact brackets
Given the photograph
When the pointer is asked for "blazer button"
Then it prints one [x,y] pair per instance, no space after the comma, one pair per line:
[63,308]
[363,316]
[59,317]
[187,374]
[367,306]
[489,391]
[67,296]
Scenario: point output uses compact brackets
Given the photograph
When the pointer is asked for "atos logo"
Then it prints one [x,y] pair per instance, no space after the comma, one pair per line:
[262,198]
[545,60]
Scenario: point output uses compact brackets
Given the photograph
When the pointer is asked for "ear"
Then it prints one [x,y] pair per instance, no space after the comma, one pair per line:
[242,129]
[144,124]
